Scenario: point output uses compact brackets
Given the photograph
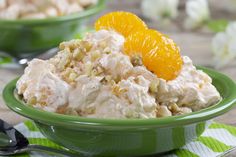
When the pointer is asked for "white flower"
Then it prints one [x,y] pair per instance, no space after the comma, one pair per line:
[160,9]
[198,13]
[224,46]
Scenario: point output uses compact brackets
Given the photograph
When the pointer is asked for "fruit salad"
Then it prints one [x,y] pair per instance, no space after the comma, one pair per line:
[40,9]
[121,70]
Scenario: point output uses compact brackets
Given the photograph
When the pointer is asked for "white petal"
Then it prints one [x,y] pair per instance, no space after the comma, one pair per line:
[150,8]
[197,11]
[220,61]
[192,9]
[205,9]
[232,47]
[219,43]
[173,7]
[155,9]
[231,30]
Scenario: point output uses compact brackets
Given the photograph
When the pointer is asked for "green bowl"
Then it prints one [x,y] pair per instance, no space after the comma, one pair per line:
[24,38]
[125,137]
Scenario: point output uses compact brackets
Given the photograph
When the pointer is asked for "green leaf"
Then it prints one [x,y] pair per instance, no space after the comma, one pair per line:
[5,60]
[217,25]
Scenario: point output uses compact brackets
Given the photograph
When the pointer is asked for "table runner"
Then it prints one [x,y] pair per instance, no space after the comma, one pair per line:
[215,141]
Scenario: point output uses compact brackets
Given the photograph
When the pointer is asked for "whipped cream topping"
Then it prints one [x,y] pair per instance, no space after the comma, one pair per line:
[192,88]
[94,78]
[42,87]
[97,100]
[116,65]
[112,40]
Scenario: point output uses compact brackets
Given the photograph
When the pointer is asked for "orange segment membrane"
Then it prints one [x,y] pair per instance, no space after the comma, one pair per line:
[124,23]
[159,53]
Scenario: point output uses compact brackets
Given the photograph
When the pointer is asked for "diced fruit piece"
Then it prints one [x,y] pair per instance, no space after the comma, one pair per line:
[159,53]
[124,23]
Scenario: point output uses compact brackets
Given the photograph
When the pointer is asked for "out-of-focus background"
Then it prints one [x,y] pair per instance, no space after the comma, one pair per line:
[203,30]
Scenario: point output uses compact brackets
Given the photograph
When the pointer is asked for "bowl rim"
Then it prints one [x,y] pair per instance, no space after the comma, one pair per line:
[87,12]
[50,118]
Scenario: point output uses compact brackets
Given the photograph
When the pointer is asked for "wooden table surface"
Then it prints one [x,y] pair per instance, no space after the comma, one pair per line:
[197,45]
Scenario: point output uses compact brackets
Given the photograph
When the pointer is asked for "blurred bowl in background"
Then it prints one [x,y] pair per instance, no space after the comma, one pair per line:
[25,38]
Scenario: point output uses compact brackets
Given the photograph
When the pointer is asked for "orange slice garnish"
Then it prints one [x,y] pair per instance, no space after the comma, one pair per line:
[159,53]
[124,23]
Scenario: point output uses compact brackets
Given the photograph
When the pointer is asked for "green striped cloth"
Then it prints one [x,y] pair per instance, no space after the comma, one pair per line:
[215,141]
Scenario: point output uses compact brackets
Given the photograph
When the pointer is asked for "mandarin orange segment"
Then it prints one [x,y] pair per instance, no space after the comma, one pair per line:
[159,53]
[124,23]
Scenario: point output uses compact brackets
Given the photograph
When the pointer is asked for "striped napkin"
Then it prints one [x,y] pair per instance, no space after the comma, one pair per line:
[215,141]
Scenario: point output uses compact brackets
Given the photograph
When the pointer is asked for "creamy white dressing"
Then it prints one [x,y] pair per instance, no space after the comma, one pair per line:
[191,88]
[40,81]
[111,39]
[116,64]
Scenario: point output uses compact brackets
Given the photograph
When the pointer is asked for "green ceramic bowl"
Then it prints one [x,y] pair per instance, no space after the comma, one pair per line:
[125,137]
[23,38]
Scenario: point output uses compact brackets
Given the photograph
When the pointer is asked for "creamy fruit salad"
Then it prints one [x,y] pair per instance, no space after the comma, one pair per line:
[39,9]
[110,74]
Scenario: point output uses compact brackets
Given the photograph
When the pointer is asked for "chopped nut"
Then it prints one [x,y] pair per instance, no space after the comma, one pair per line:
[62,46]
[94,72]
[123,90]
[86,45]
[90,109]
[43,103]
[107,50]
[99,70]
[200,86]
[66,72]
[183,110]
[74,44]
[32,101]
[154,86]
[112,82]
[117,79]
[136,60]
[105,79]
[65,59]
[72,76]
[67,49]
[95,55]
[174,108]
[108,78]
[116,90]
[78,55]
[71,111]
[131,114]
[163,111]
[69,75]
[70,44]
[62,109]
